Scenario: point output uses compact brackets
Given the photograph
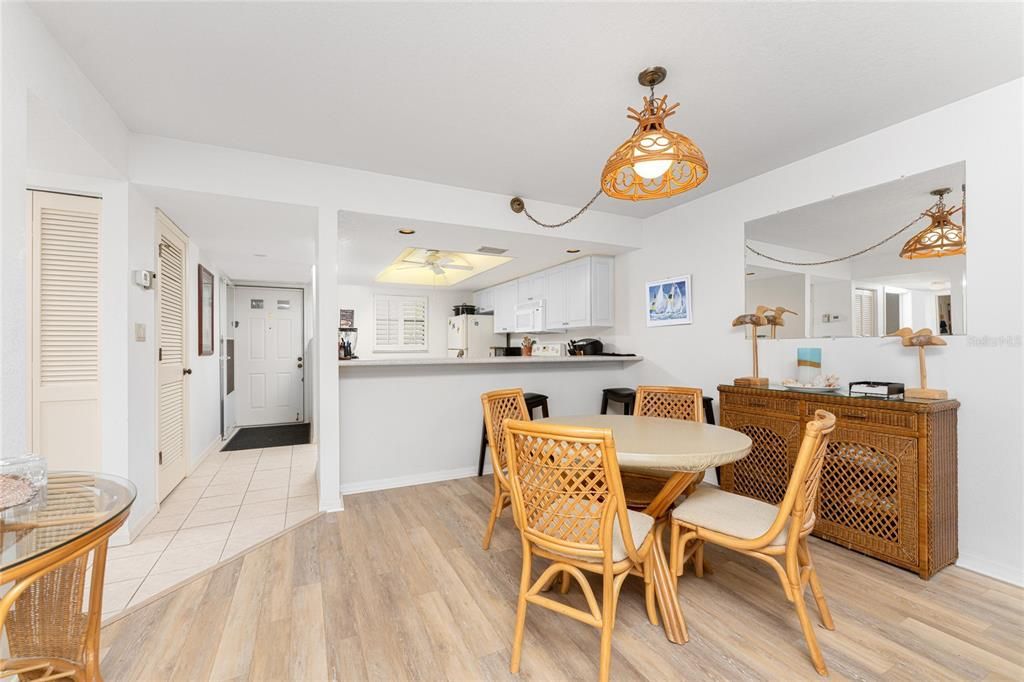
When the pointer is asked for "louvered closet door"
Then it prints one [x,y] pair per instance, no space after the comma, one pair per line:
[171,422]
[65,330]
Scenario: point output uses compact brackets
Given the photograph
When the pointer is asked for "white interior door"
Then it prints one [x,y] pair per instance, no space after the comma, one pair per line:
[172,359]
[268,356]
[65,331]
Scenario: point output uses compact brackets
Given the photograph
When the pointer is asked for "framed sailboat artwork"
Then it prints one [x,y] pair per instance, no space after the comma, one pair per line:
[669,301]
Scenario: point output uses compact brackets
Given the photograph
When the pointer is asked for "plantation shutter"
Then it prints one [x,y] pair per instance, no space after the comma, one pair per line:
[864,312]
[400,323]
[65,311]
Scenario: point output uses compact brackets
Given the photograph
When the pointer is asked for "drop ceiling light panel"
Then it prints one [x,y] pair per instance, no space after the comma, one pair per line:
[404,269]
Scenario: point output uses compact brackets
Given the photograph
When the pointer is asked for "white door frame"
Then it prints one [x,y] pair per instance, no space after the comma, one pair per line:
[164,221]
[302,337]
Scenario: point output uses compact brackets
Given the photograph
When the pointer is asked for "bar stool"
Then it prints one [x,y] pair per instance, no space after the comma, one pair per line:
[624,396]
[533,401]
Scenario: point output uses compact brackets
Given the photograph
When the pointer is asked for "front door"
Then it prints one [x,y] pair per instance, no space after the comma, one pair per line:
[172,359]
[268,356]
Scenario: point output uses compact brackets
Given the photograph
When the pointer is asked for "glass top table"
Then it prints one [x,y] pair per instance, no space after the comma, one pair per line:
[69,507]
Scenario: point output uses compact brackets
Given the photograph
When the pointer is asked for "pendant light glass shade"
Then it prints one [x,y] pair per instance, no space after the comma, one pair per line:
[942,237]
[654,162]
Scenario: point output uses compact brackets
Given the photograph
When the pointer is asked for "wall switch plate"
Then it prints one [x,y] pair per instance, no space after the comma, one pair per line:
[140,331]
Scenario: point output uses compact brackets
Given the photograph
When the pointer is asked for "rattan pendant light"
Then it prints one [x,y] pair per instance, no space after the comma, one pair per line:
[942,237]
[654,162]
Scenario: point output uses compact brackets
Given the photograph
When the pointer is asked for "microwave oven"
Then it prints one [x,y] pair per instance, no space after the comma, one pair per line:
[530,316]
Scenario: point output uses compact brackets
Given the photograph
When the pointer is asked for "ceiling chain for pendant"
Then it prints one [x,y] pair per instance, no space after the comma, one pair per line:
[519,206]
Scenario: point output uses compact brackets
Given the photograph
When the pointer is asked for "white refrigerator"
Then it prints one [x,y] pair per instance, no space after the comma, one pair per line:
[470,336]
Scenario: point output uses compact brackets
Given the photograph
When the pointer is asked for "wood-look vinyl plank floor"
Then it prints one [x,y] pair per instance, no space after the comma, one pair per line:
[397,588]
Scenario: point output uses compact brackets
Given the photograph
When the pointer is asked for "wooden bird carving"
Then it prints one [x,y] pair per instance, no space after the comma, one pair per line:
[922,337]
[774,316]
[755,319]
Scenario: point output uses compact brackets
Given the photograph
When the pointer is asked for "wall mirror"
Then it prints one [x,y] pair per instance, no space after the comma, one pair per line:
[817,262]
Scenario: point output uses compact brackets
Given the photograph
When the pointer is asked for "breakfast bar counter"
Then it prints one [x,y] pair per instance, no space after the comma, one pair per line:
[412,420]
[508,360]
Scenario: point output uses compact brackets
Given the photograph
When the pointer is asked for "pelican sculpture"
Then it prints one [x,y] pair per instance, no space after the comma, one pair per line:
[921,339]
[774,316]
[755,320]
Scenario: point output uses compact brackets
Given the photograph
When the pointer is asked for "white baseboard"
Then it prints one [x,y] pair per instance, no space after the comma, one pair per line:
[133,527]
[992,569]
[414,479]
[214,446]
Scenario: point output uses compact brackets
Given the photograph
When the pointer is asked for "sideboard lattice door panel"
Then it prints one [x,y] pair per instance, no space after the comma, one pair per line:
[867,489]
[764,473]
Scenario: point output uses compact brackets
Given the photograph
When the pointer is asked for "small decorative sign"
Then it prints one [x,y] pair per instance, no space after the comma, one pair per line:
[668,302]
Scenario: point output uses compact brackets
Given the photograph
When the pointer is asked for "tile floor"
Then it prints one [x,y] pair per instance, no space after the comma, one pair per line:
[231,502]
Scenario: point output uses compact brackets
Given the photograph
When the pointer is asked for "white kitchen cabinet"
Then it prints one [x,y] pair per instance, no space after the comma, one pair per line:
[484,300]
[506,296]
[533,287]
[602,291]
[555,317]
[578,294]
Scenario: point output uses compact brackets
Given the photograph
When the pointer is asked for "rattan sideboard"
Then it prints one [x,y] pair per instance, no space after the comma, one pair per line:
[889,482]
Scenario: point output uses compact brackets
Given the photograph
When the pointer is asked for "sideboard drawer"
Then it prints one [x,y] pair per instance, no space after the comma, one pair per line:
[855,415]
[757,403]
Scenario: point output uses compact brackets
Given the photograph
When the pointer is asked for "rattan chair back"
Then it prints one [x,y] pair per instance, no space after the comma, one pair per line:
[670,402]
[567,490]
[499,406]
[802,491]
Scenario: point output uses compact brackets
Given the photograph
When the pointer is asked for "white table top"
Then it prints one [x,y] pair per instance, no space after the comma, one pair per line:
[654,444]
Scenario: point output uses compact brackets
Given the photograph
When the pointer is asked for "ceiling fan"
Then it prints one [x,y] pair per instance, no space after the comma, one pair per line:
[437,261]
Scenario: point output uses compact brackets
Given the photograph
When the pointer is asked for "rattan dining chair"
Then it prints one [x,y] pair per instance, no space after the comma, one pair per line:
[569,505]
[507,403]
[765,531]
[670,402]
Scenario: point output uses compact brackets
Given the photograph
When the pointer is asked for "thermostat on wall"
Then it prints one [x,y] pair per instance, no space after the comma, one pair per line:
[144,278]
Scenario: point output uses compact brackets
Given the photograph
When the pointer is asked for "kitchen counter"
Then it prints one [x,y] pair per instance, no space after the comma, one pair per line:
[513,360]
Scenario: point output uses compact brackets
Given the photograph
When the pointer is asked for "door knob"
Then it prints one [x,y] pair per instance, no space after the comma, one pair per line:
[187,371]
[300,365]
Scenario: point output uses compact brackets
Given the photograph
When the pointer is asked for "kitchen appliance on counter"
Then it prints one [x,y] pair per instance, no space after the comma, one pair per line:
[347,337]
[470,336]
[550,350]
[585,347]
[506,351]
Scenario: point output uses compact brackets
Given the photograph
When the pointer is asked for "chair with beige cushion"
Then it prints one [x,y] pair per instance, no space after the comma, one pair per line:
[507,403]
[765,531]
[568,503]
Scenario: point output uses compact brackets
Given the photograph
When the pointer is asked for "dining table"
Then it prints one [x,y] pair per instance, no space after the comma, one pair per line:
[53,550]
[660,459]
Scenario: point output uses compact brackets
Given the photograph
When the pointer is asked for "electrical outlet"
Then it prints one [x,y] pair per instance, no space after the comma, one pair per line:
[140,331]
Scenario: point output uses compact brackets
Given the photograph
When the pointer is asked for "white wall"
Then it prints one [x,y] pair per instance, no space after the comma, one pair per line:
[833,297]
[983,370]
[204,382]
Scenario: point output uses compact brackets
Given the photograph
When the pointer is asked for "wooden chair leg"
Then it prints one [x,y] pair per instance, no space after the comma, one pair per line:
[808,628]
[607,624]
[650,600]
[563,588]
[524,587]
[819,594]
[698,559]
[496,506]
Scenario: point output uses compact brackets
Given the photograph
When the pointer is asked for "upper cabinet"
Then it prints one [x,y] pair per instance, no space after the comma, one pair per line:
[506,297]
[576,295]
[484,300]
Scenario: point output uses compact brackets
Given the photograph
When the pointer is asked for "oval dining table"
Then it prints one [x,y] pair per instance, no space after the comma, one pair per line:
[673,454]
[52,608]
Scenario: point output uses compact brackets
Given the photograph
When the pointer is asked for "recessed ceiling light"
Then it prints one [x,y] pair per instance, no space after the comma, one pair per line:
[572,250]
[260,255]
[406,230]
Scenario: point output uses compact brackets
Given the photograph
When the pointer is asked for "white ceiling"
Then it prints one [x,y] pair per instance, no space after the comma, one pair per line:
[369,243]
[850,222]
[530,98]
[230,231]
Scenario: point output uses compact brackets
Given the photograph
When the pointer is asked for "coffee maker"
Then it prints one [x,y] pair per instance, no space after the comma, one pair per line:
[347,343]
